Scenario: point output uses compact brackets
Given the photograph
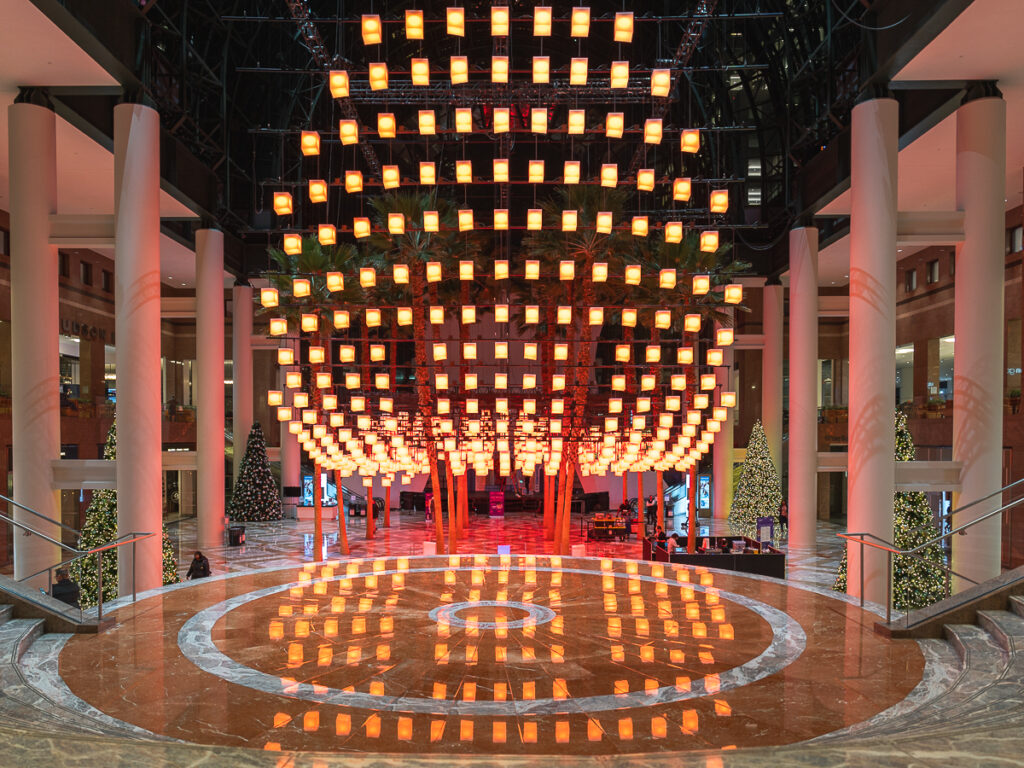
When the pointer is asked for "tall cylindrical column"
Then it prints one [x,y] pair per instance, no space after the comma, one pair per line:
[979,325]
[241,371]
[872,436]
[803,386]
[723,448]
[210,386]
[290,458]
[137,324]
[771,373]
[35,358]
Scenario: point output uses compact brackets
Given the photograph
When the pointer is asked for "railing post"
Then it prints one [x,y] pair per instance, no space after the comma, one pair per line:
[99,586]
[133,567]
[888,595]
[861,568]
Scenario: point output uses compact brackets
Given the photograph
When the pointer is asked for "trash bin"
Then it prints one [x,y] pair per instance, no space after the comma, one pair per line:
[236,535]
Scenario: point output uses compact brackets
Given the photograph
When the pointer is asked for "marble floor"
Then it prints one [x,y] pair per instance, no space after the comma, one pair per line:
[481,654]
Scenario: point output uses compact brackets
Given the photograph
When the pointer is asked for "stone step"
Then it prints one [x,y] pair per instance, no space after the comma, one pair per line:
[6,613]
[1006,627]
[1017,604]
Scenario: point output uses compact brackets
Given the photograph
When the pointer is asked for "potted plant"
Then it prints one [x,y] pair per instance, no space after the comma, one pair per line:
[935,408]
[1014,397]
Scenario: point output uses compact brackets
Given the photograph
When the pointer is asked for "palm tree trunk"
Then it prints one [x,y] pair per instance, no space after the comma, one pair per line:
[549,507]
[435,483]
[342,521]
[559,507]
[661,501]
[424,399]
[387,506]
[453,524]
[371,527]
[318,522]
[691,539]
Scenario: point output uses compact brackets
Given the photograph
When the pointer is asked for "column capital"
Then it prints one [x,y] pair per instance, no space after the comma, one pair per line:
[875,92]
[38,97]
[981,89]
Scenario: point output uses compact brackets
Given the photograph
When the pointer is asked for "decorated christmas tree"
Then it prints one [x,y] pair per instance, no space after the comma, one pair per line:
[101,528]
[255,497]
[917,581]
[758,493]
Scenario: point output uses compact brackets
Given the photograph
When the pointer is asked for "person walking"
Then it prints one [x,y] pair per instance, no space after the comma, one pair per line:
[783,515]
[66,590]
[199,568]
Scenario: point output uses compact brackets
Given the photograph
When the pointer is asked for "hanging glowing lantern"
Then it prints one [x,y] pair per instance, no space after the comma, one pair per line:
[673,403]
[465,219]
[459,70]
[633,274]
[652,130]
[499,20]
[577,121]
[501,382]
[372,318]
[542,21]
[733,293]
[396,223]
[282,203]
[673,231]
[569,220]
[335,281]
[268,297]
[561,351]
[724,337]
[377,352]
[346,353]
[595,316]
[689,140]
[386,125]
[707,381]
[531,315]
[541,69]
[709,240]
[361,227]
[341,318]
[338,83]
[371,29]
[619,383]
[535,172]
[529,382]
[300,400]
[357,402]
[624,27]
[603,222]
[681,189]
[500,219]
[719,200]
[391,176]
[378,76]
[278,326]
[316,355]
[428,173]
[433,271]
[468,318]
[353,181]
[456,21]
[645,179]
[629,317]
[715,357]
[728,399]
[622,353]
[464,171]
[502,120]
[578,71]
[309,142]
[293,379]
[440,351]
[367,277]
[571,172]
[531,270]
[640,226]
[427,122]
[309,323]
[661,82]
[419,71]
[691,323]
[317,191]
[284,414]
[534,218]
[431,221]
[414,25]
[609,175]
[285,355]
[440,381]
[538,120]
[614,124]
[566,270]
[501,271]
[329,402]
[501,350]
[348,131]
[323,381]
[499,69]
[667,279]
[563,315]
[326,234]
[404,315]
[580,22]
[381,381]
[663,318]
[463,120]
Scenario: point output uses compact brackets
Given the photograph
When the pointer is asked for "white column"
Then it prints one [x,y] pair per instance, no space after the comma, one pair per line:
[872,467]
[241,356]
[210,386]
[979,325]
[137,323]
[290,458]
[803,386]
[35,359]
[722,448]
[771,373]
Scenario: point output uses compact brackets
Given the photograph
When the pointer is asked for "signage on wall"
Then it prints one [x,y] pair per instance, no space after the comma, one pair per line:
[84,330]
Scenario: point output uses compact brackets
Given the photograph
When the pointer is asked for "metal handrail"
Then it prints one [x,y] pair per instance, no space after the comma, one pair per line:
[50,520]
[948,515]
[890,549]
[33,532]
[86,552]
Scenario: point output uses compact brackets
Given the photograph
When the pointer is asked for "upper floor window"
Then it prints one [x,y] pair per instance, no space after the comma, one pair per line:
[85,272]
[933,271]
[910,280]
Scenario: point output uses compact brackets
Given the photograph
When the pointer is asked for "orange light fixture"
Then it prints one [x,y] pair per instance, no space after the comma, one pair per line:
[542,21]
[571,172]
[361,227]
[371,29]
[459,66]
[463,120]
[709,240]
[724,337]
[465,219]
[577,121]
[604,222]
[396,223]
[414,24]
[614,124]
[391,177]
[538,120]
[640,226]
[499,20]
[283,203]
[673,231]
[378,76]
[337,81]
[348,131]
[534,218]
[652,130]
[456,21]
[578,71]
[579,22]
[309,142]
[624,27]
[719,200]
[609,175]
[535,172]
[570,220]
[464,171]
[689,140]
[701,285]
[427,122]
[733,293]
[541,69]
[691,323]
[317,191]
[428,173]
[502,120]
[326,234]
[386,125]
[431,221]
[645,180]
[500,219]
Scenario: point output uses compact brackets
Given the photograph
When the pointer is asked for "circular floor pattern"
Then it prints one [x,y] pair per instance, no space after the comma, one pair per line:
[492,654]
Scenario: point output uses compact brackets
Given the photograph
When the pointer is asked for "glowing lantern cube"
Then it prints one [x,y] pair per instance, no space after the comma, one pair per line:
[268,297]
[456,21]
[673,232]
[719,200]
[464,171]
[465,219]
[538,120]
[337,81]
[282,203]
[567,270]
[348,131]
[689,140]
[309,142]
[428,173]
[463,120]
[708,381]
[499,69]
[571,172]
[386,125]
[531,315]
[603,223]
[391,176]
[502,120]
[500,219]
[709,240]
[542,21]
[681,189]
[640,226]
[341,319]
[645,180]
[279,327]
[499,20]
[459,66]
[317,191]
[378,76]
[326,234]
[427,122]
[595,316]
[535,172]
[691,323]
[431,221]
[419,71]
[619,74]
[715,357]
[667,279]
[728,399]
[534,218]
[652,130]
[433,271]
[609,175]
[541,69]
[404,315]
[396,223]
[317,355]
[367,277]
[733,293]
[353,181]
[661,82]
[563,315]
[580,22]
[577,121]
[724,337]
[361,227]
[633,273]
[309,323]
[531,270]
[614,124]
[624,27]
[414,25]
[578,71]
[371,29]
[569,220]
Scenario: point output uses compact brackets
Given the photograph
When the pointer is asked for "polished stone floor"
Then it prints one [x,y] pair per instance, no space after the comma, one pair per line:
[519,654]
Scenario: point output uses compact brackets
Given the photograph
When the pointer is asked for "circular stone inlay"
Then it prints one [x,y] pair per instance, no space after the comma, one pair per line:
[535,614]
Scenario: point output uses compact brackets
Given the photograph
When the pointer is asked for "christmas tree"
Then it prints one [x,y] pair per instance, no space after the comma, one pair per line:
[758,493]
[917,580]
[101,528]
[255,497]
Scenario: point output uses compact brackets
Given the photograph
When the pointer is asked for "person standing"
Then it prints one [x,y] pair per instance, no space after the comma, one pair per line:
[66,590]
[199,568]
[783,515]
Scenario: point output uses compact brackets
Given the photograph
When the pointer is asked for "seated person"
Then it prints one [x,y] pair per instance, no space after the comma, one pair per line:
[726,546]
[676,542]
[661,538]
[625,509]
